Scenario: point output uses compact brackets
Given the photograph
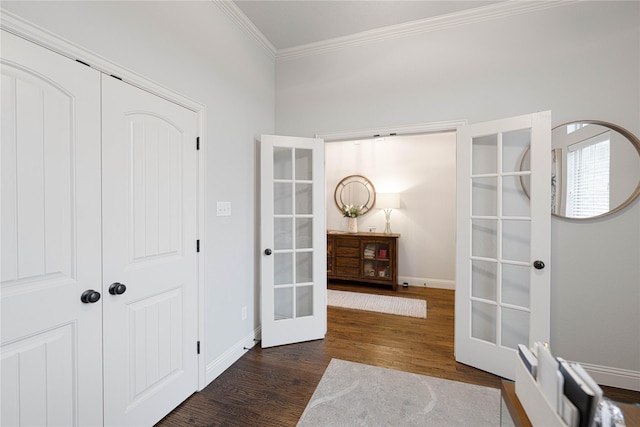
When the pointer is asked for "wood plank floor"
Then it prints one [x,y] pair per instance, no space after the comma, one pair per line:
[271,387]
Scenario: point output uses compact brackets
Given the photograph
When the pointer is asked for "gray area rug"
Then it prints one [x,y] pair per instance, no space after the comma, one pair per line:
[380,303]
[353,394]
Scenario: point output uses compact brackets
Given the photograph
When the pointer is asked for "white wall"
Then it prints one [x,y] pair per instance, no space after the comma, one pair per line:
[422,169]
[194,49]
[579,60]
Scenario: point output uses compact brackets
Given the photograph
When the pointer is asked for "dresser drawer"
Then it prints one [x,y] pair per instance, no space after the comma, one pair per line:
[348,271]
[348,262]
[348,252]
[348,243]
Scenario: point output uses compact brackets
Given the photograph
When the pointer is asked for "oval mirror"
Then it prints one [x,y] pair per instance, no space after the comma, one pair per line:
[595,169]
[355,190]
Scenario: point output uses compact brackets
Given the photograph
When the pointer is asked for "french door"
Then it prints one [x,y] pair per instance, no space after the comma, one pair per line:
[503,240]
[293,240]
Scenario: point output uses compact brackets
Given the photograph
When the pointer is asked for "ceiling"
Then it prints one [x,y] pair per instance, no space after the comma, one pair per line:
[293,23]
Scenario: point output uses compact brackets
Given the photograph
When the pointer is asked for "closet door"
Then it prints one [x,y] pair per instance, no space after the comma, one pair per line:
[149,231]
[51,347]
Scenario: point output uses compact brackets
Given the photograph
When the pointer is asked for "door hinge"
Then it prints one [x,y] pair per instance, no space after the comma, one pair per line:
[198,245]
[197,143]
[198,347]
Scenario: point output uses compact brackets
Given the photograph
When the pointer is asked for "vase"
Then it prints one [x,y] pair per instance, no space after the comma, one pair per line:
[353,225]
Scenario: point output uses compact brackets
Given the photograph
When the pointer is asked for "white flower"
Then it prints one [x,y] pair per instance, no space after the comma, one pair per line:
[351,211]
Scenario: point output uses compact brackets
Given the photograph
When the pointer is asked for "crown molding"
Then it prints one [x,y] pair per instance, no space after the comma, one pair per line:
[470,16]
[231,10]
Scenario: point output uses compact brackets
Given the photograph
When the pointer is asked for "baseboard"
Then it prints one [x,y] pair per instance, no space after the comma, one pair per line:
[614,377]
[428,283]
[229,357]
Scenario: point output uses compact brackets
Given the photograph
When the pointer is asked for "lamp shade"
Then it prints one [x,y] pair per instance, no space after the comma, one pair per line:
[388,200]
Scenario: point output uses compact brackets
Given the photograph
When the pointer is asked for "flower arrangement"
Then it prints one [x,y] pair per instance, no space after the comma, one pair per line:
[351,211]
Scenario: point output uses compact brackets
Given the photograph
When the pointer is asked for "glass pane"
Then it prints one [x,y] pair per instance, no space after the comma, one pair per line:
[515,328]
[304,199]
[304,301]
[484,238]
[304,164]
[283,269]
[283,303]
[484,279]
[283,233]
[484,196]
[484,154]
[514,145]
[304,267]
[304,233]
[483,321]
[514,200]
[515,285]
[516,240]
[282,165]
[282,198]
[369,250]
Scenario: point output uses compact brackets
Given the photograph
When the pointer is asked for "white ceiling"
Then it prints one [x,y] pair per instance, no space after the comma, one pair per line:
[293,23]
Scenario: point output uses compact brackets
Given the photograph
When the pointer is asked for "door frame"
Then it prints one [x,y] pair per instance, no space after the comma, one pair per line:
[31,32]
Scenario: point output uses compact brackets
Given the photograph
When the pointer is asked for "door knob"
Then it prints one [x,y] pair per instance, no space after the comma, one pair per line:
[90,296]
[267,251]
[117,288]
[538,264]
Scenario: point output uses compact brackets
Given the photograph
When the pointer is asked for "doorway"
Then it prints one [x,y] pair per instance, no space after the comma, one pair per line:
[422,169]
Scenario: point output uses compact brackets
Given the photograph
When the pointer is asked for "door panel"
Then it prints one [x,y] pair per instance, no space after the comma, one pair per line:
[293,234]
[501,299]
[149,223]
[51,341]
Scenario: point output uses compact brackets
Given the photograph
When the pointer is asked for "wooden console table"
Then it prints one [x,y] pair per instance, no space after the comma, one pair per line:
[363,257]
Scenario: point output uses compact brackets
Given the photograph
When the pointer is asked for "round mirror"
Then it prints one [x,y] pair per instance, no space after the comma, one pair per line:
[355,190]
[595,169]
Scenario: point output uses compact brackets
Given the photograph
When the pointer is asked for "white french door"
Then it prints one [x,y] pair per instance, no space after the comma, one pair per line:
[51,246]
[503,240]
[293,240]
[149,238]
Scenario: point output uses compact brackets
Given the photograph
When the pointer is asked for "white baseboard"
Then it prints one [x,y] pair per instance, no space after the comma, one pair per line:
[429,283]
[614,377]
[229,357]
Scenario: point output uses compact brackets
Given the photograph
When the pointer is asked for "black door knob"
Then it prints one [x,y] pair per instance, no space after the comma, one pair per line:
[90,296]
[538,264]
[117,288]
[267,252]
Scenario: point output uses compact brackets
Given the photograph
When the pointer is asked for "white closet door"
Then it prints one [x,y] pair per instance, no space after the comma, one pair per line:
[51,341]
[149,230]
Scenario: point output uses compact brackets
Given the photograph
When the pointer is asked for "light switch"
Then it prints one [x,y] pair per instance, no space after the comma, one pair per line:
[224,209]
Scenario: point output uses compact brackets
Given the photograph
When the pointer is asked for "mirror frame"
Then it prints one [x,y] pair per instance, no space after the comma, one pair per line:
[337,195]
[635,142]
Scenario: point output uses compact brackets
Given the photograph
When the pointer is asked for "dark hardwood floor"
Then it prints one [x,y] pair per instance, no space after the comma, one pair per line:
[271,387]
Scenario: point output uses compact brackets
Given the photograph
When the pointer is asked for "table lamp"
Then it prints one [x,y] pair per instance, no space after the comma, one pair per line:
[388,202]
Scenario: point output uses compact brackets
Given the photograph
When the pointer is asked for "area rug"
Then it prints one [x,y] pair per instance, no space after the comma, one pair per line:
[379,303]
[353,394]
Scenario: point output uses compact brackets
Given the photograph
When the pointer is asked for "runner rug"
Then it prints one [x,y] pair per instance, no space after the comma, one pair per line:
[380,303]
[353,394]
